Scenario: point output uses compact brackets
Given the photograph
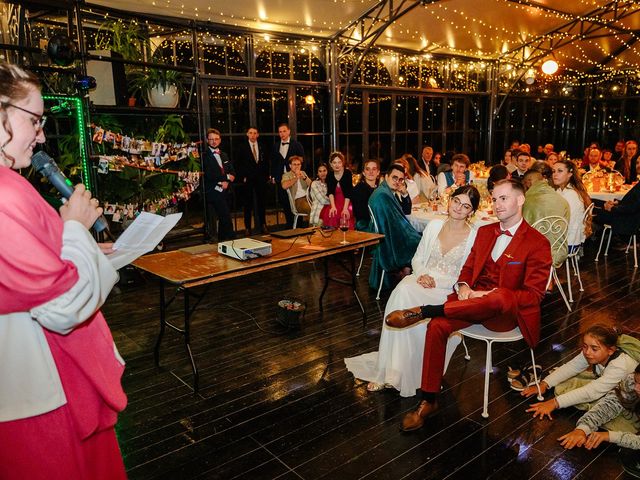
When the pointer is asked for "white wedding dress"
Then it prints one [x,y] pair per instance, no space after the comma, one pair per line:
[399,359]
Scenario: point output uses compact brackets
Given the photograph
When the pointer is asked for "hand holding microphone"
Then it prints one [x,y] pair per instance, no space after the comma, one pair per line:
[84,207]
[81,207]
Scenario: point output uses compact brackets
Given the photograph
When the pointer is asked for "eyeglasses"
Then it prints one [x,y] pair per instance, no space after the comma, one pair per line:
[396,178]
[456,201]
[41,120]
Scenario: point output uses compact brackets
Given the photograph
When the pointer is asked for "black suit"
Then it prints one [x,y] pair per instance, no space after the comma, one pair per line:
[217,198]
[630,175]
[624,218]
[252,178]
[279,165]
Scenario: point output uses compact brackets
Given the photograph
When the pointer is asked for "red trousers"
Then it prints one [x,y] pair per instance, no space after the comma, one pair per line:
[497,311]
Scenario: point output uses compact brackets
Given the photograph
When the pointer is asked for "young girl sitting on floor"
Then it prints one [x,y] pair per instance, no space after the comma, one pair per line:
[574,386]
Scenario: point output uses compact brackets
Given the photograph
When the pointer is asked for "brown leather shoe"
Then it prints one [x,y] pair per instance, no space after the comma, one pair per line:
[415,420]
[404,318]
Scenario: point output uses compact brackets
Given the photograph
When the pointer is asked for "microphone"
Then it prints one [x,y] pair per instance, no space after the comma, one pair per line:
[47,167]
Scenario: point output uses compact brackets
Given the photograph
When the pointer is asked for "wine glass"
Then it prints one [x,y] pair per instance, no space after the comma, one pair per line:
[344,226]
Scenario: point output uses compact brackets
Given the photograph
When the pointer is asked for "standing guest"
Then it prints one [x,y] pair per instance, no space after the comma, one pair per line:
[339,189]
[523,162]
[390,205]
[253,173]
[500,286]
[281,153]
[218,175]
[362,192]
[540,201]
[427,164]
[442,251]
[459,174]
[589,376]
[318,195]
[426,186]
[297,181]
[627,163]
[59,368]
[567,182]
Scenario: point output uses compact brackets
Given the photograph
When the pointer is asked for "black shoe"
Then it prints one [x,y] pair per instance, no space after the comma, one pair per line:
[630,460]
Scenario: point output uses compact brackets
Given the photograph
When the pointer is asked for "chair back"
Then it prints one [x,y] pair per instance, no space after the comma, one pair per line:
[555,229]
[373,219]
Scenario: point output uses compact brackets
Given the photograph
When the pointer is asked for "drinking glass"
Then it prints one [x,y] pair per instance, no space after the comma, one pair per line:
[344,226]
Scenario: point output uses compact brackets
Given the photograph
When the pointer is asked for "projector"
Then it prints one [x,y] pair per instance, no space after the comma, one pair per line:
[244,248]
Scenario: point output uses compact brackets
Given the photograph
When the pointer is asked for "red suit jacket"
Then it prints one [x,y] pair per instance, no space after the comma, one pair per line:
[524,269]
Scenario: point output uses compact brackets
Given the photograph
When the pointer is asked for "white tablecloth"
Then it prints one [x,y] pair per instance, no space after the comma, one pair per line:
[421,216]
[606,196]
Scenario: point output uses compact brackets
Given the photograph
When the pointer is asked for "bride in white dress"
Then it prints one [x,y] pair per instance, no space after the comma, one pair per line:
[436,266]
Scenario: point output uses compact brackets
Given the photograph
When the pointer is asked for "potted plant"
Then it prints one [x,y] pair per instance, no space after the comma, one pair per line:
[161,88]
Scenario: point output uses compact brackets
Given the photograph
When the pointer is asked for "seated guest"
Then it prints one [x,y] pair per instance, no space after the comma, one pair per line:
[615,411]
[297,182]
[507,161]
[436,265]
[623,216]
[627,163]
[318,195]
[523,162]
[607,161]
[427,161]
[412,187]
[541,200]
[390,204]
[589,376]
[496,173]
[440,167]
[339,188]
[362,192]
[551,159]
[593,160]
[567,182]
[500,286]
[458,175]
[422,178]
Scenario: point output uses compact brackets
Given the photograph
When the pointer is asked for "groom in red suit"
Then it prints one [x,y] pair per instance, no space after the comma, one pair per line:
[500,286]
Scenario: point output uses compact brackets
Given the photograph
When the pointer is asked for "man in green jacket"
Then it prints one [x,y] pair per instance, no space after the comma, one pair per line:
[541,200]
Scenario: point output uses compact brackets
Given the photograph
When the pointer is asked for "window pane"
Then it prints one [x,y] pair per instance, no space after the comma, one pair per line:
[272,108]
[432,114]
[455,114]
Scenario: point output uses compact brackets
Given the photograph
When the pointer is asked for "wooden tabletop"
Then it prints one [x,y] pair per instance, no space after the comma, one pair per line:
[195,266]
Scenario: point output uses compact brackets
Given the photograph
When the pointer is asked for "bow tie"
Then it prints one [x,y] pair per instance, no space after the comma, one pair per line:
[216,150]
[499,232]
[285,143]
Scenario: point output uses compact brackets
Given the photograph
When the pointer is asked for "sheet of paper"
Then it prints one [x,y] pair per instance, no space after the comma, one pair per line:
[142,236]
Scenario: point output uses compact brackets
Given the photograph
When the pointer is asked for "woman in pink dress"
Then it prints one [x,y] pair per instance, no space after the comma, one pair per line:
[59,368]
[339,189]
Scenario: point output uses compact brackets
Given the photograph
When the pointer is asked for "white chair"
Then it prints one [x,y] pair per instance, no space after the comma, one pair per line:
[376,230]
[573,258]
[556,226]
[479,332]
[607,229]
[294,210]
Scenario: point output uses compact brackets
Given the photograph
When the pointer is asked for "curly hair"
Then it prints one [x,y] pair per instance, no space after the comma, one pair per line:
[15,84]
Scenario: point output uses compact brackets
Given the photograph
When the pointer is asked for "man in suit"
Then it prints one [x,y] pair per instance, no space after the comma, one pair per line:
[500,286]
[523,162]
[623,215]
[253,175]
[286,148]
[218,174]
[426,161]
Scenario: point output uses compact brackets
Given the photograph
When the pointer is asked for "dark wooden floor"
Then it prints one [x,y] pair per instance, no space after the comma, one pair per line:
[284,406]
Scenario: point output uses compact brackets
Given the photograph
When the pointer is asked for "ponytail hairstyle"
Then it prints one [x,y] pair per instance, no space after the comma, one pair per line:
[605,334]
[15,85]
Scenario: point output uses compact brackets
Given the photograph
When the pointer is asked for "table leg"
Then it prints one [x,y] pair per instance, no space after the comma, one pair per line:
[187,339]
[355,293]
[326,280]
[163,311]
